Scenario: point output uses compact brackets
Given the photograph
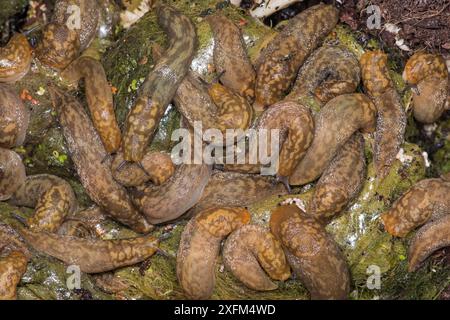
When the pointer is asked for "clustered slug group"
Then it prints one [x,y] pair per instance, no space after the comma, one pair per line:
[141,188]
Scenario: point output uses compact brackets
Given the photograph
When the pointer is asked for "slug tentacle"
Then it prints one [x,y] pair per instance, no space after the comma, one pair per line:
[15,59]
[336,122]
[311,253]
[429,74]
[52,198]
[250,252]
[230,57]
[200,245]
[391,119]
[161,83]
[296,125]
[156,167]
[174,197]
[280,61]
[433,236]
[328,73]
[14,118]
[88,154]
[99,98]
[92,255]
[12,173]
[341,181]
[426,199]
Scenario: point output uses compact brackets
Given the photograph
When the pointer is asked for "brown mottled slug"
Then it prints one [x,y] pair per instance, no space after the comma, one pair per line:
[428,72]
[230,57]
[174,197]
[161,83]
[14,118]
[92,255]
[92,164]
[52,198]
[341,181]
[12,173]
[433,236]
[329,72]
[156,167]
[280,61]
[15,59]
[391,119]
[99,98]
[336,122]
[426,199]
[312,253]
[200,245]
[254,256]
[12,268]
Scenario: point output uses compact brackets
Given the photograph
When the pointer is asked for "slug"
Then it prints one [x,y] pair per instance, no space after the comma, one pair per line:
[391,120]
[99,98]
[252,251]
[336,122]
[296,125]
[174,197]
[59,46]
[92,255]
[52,198]
[12,268]
[280,61]
[329,72]
[81,16]
[311,253]
[232,189]
[426,199]
[161,83]
[156,167]
[88,155]
[14,118]
[12,173]
[15,59]
[200,245]
[429,74]
[341,181]
[230,57]
[433,236]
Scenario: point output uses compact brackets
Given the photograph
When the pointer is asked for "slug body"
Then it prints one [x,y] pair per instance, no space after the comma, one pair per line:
[232,189]
[15,59]
[311,253]
[296,127]
[52,198]
[200,245]
[254,256]
[92,255]
[431,237]
[336,122]
[230,57]
[176,196]
[59,46]
[14,118]
[161,84]
[81,16]
[341,181]
[280,61]
[426,199]
[12,173]
[88,155]
[328,73]
[391,120]
[99,98]
[429,73]
[12,268]
[156,167]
